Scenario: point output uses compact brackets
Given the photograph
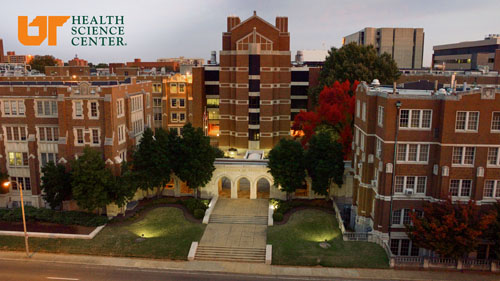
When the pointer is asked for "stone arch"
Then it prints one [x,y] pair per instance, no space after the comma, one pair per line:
[263,187]
[244,186]
[224,185]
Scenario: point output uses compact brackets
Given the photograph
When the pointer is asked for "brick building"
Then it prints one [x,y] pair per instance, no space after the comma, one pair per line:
[42,121]
[447,145]
[253,94]
[11,57]
[77,62]
[67,70]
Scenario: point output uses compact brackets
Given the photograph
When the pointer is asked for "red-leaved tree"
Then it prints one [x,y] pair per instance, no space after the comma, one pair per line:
[335,112]
[451,230]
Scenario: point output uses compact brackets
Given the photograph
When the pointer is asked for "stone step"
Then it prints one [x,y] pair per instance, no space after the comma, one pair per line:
[233,219]
[230,254]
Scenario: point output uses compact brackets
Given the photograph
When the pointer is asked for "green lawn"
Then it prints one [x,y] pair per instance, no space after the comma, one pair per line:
[168,235]
[297,243]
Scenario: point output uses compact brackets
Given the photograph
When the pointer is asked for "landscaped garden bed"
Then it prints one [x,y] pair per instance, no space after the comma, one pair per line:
[297,242]
[284,209]
[46,227]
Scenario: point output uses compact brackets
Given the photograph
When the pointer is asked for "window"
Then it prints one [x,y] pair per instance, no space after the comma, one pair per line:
[492,189]
[48,134]
[460,188]
[46,108]
[26,184]
[363,113]
[120,108]
[182,103]
[413,153]
[173,102]
[79,136]
[95,136]
[121,134]
[148,100]
[495,122]
[493,159]
[156,102]
[18,159]
[16,133]
[356,132]
[402,217]
[463,155]
[380,116]
[156,87]
[358,108]
[173,117]
[138,126]
[123,155]
[13,108]
[94,114]
[415,119]
[415,183]
[46,157]
[467,121]
[378,148]
[404,247]
[136,103]
[77,109]
[362,141]
[182,117]
[182,88]
[157,116]
[173,88]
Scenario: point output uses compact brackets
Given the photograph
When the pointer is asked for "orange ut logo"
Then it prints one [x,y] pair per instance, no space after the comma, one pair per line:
[41,22]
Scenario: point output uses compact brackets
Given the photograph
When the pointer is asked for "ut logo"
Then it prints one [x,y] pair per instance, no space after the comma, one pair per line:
[46,25]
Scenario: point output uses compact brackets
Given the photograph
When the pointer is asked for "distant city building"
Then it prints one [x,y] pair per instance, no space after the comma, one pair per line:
[67,70]
[184,61]
[170,66]
[470,78]
[469,55]
[11,57]
[77,62]
[404,45]
[311,57]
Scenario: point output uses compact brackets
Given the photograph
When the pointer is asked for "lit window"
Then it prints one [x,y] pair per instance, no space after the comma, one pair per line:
[182,88]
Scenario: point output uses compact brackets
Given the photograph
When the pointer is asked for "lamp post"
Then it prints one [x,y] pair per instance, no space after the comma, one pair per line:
[7,184]
[398,108]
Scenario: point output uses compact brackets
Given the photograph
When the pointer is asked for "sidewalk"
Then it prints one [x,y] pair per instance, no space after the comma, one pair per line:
[252,268]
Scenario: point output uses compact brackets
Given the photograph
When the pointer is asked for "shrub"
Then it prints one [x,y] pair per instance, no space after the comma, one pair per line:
[199,213]
[277,216]
[51,216]
[193,204]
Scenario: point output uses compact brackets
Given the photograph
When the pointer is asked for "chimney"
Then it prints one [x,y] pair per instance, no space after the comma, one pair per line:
[1,51]
[282,24]
[394,87]
[232,21]
[453,83]
[436,85]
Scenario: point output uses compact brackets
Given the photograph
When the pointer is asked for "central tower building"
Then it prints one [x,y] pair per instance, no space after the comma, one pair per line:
[254,83]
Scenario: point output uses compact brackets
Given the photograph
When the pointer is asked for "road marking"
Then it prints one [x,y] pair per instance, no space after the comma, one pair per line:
[61,278]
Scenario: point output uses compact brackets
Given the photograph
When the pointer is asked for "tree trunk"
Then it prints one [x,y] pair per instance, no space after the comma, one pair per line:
[160,192]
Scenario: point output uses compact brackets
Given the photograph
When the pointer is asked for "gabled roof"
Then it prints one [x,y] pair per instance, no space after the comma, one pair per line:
[252,17]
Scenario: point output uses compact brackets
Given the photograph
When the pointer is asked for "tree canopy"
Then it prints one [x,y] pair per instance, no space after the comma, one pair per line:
[56,184]
[40,62]
[353,62]
[286,165]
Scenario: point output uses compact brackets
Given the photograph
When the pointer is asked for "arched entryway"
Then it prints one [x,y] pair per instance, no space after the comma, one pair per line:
[243,188]
[224,187]
[263,188]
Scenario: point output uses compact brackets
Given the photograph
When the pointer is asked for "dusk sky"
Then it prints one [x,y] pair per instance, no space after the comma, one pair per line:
[158,29]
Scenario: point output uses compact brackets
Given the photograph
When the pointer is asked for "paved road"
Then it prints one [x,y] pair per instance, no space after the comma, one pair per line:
[38,270]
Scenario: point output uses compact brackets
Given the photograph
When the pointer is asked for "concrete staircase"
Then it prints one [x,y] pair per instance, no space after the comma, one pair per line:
[215,253]
[235,219]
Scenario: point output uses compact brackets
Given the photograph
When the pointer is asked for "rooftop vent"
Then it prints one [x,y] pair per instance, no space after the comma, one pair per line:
[375,83]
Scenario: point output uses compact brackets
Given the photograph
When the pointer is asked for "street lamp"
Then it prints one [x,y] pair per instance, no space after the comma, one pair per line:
[398,108]
[7,184]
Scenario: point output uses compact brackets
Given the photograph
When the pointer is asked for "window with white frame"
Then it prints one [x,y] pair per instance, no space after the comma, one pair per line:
[362,140]
[413,153]
[148,100]
[363,112]
[495,122]
[138,126]
[121,134]
[46,157]
[182,103]
[123,155]
[467,121]
[78,109]
[404,247]
[136,103]
[156,102]
[378,148]
[402,217]
[25,181]
[46,108]
[79,136]
[173,103]
[173,117]
[182,117]
[358,108]
[13,108]
[18,159]
[182,88]
[415,118]
[120,107]
[415,183]
[357,133]
[380,116]
[93,110]
[493,156]
[173,88]
[460,188]
[463,155]
[492,189]
[48,134]
[15,133]
[96,138]
[156,87]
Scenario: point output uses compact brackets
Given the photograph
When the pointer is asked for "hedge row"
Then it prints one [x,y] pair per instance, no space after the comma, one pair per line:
[47,215]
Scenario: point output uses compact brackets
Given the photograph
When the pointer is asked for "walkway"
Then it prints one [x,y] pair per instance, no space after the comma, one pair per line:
[237,231]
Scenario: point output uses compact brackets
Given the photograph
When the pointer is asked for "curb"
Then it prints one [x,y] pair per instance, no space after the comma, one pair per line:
[55,235]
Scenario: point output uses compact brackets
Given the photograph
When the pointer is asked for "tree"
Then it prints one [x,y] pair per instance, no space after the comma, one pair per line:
[324,162]
[92,182]
[56,184]
[124,187]
[40,62]
[353,62]
[286,165]
[334,114]
[194,158]
[102,65]
[451,230]
[492,234]
[151,160]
